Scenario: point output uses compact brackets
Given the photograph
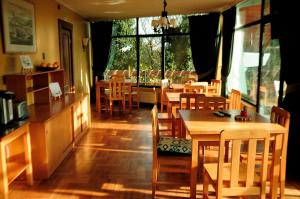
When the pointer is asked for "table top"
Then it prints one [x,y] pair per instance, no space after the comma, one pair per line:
[11,127]
[205,122]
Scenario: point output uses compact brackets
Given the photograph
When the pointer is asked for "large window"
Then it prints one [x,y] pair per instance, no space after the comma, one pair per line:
[245,62]
[150,60]
[255,63]
[138,50]
[270,72]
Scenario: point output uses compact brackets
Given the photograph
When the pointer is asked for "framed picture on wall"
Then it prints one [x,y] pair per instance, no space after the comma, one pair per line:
[18,26]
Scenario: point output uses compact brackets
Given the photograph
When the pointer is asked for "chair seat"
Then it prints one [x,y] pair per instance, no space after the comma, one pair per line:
[212,168]
[163,116]
[174,145]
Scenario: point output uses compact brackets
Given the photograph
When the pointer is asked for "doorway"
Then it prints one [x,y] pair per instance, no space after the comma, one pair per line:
[66,53]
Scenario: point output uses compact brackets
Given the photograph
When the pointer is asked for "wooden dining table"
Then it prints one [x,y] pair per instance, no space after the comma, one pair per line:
[104,84]
[203,125]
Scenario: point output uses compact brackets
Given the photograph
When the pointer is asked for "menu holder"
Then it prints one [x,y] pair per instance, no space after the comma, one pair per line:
[242,118]
[55,90]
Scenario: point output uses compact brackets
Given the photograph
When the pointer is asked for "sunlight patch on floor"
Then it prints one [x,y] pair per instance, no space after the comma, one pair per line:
[120,187]
[129,127]
[83,146]
[80,192]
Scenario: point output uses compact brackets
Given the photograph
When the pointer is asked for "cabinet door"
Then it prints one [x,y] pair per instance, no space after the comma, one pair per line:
[85,114]
[58,138]
[76,119]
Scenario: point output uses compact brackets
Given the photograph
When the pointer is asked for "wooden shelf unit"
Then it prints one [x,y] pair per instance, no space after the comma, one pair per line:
[34,87]
[15,157]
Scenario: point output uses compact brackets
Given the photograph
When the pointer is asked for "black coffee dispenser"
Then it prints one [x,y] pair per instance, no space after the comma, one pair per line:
[6,106]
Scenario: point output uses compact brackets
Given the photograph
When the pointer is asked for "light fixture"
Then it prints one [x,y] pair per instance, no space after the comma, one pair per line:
[163,22]
[85,42]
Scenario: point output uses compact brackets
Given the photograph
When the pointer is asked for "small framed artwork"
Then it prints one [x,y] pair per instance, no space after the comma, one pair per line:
[26,62]
[18,26]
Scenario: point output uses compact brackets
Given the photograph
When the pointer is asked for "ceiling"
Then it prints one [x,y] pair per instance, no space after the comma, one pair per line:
[121,9]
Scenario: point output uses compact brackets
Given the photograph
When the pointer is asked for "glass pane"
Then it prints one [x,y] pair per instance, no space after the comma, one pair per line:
[124,27]
[150,60]
[182,25]
[122,58]
[267,7]
[145,25]
[179,62]
[245,60]
[270,72]
[247,12]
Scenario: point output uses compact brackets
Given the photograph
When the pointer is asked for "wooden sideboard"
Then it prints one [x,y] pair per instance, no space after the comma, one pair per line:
[15,156]
[54,129]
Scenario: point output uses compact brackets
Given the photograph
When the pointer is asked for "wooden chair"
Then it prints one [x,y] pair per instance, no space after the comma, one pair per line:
[188,88]
[166,159]
[218,86]
[116,92]
[236,178]
[212,103]
[189,101]
[189,80]
[282,117]
[135,94]
[235,99]
[163,101]
[215,103]
[132,96]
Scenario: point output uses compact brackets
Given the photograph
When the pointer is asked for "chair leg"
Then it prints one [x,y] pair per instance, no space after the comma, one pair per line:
[154,178]
[123,103]
[205,185]
[111,106]
[282,182]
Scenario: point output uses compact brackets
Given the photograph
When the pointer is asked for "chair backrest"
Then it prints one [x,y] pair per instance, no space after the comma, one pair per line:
[117,75]
[189,80]
[280,116]
[116,87]
[239,177]
[190,101]
[165,83]
[188,88]
[215,103]
[235,99]
[155,136]
[217,83]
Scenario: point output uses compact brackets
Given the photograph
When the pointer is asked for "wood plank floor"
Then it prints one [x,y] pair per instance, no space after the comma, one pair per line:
[113,160]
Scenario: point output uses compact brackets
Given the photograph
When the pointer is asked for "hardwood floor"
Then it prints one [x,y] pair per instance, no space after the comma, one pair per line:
[113,160]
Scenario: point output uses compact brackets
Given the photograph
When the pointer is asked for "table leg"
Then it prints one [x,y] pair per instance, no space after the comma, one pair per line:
[194,169]
[3,173]
[98,100]
[275,168]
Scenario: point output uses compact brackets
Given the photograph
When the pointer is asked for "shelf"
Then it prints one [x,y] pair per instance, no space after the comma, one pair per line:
[14,169]
[32,89]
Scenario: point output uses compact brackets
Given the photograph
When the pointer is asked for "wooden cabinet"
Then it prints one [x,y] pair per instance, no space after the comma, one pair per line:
[81,118]
[15,156]
[54,129]
[33,87]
